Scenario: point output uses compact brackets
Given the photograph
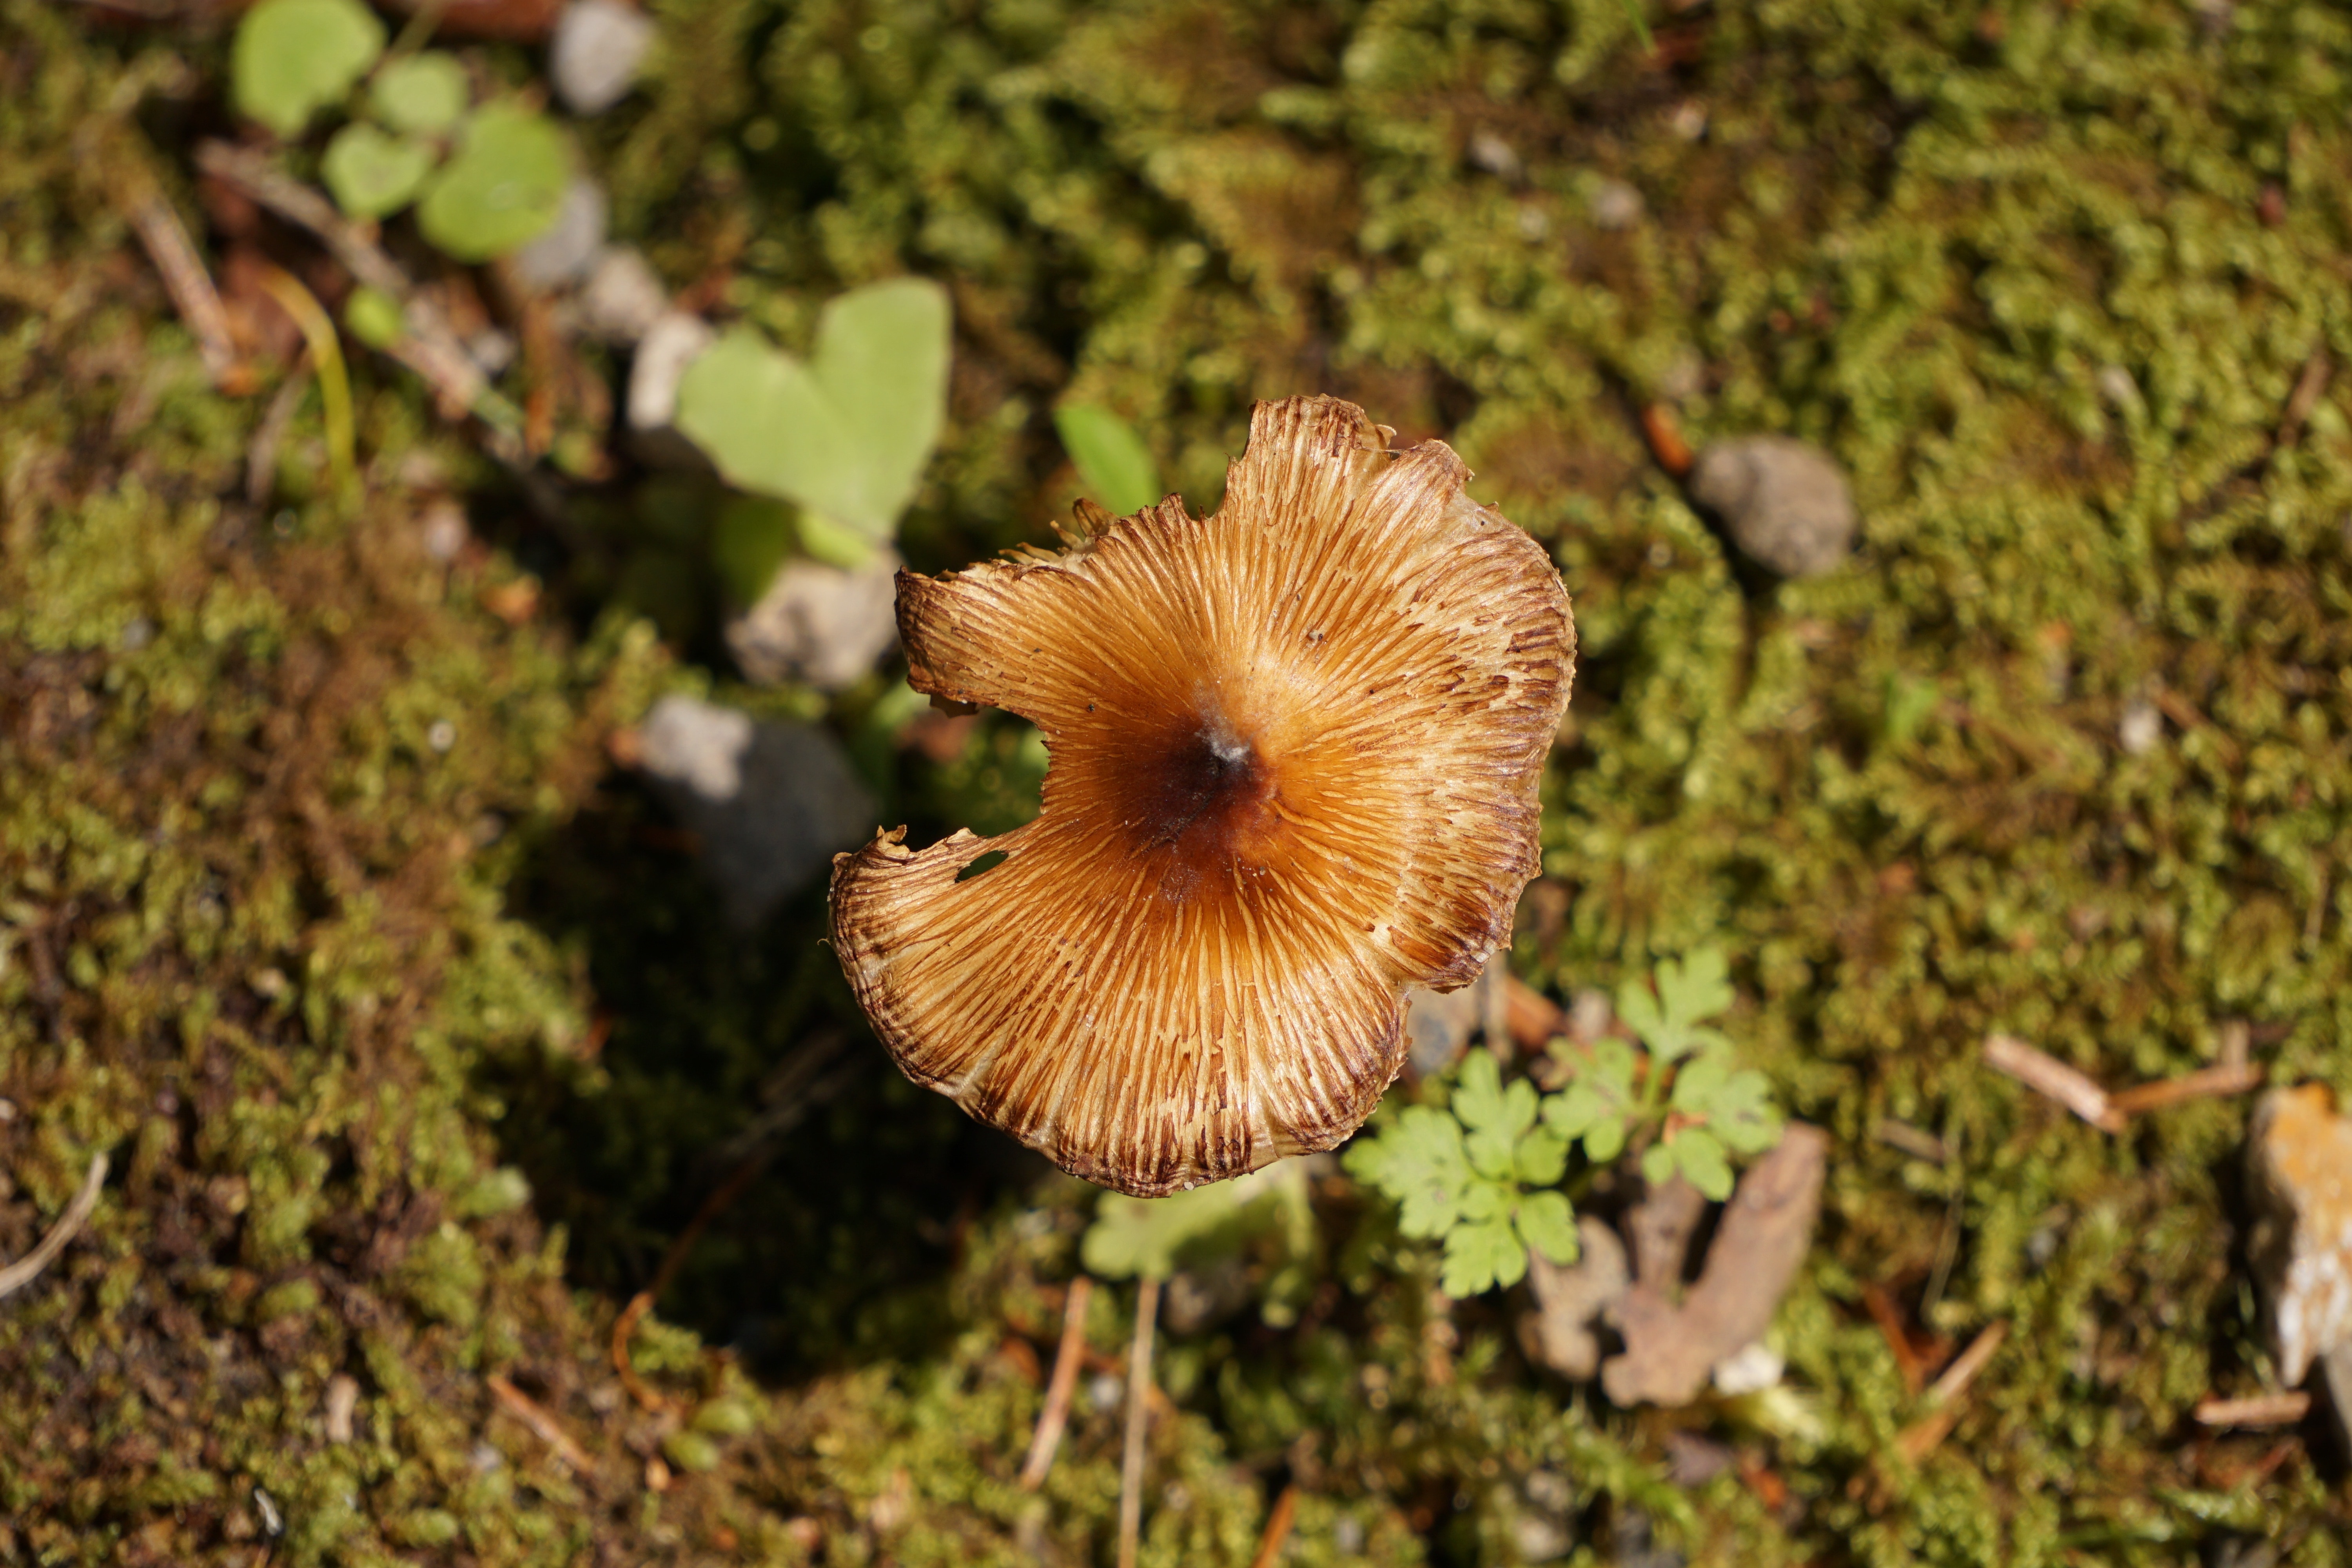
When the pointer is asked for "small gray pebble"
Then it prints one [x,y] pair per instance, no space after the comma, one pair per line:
[770,801]
[1784,502]
[1615,205]
[2141,727]
[568,247]
[622,298]
[599,46]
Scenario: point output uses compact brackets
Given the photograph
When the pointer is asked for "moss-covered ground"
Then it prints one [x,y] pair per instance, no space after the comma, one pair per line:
[415,1039]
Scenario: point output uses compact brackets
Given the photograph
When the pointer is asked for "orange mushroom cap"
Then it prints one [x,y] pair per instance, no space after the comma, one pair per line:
[1294,751]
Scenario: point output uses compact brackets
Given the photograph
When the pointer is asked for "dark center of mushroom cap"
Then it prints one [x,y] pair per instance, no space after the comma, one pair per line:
[1197,794]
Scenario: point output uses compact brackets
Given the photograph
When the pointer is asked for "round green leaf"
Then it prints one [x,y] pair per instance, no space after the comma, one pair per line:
[373,175]
[293,57]
[374,318]
[424,95]
[503,188]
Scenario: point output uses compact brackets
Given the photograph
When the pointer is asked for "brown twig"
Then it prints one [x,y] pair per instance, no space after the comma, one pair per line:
[1139,1402]
[2046,1075]
[1277,1528]
[184,279]
[533,1414]
[1056,1414]
[1665,438]
[625,1326]
[2260,1410]
[2205,1083]
[1919,1439]
[2308,386]
[27,1269]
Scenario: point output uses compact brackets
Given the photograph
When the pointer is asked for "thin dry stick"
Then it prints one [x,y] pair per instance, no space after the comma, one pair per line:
[2260,1410]
[533,1414]
[1916,1441]
[1056,1414]
[184,279]
[22,1272]
[2047,1074]
[1139,1400]
[2205,1083]
[1277,1528]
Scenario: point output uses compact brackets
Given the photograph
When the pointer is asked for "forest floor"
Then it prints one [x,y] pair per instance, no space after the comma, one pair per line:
[415,1038]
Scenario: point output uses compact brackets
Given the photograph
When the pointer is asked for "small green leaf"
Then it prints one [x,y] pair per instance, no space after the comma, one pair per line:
[1605,1140]
[503,188]
[371,174]
[844,435]
[1695,989]
[1134,1236]
[749,540]
[1699,1079]
[1481,1255]
[1743,1114]
[422,95]
[374,318]
[1700,1155]
[1548,1224]
[1110,456]
[1481,1100]
[1541,1157]
[293,57]
[1657,1164]
[1418,1160]
[1490,1152]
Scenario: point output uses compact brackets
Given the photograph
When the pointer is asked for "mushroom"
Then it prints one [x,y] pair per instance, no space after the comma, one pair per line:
[1295,749]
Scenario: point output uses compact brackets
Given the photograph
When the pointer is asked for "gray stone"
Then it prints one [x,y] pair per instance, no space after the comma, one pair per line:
[819,623]
[1614,204]
[674,341]
[1437,1025]
[599,47]
[567,251]
[1784,502]
[769,801]
[623,297]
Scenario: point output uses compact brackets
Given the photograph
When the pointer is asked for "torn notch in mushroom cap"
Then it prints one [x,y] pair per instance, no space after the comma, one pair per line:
[1295,747]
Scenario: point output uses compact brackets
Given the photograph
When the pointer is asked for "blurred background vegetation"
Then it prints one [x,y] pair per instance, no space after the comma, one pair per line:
[417,1035]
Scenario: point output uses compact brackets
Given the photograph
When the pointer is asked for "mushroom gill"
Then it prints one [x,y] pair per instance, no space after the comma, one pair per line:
[1295,751]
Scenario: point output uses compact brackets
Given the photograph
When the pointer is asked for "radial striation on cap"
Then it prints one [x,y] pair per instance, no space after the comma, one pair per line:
[1295,753]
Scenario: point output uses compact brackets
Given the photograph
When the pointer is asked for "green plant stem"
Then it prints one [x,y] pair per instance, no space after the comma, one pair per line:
[334,382]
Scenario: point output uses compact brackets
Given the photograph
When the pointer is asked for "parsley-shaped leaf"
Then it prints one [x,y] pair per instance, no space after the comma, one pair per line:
[1481,1100]
[1548,1224]
[1541,1158]
[1417,1160]
[1699,1153]
[1481,1255]
[1669,1024]
[1743,1114]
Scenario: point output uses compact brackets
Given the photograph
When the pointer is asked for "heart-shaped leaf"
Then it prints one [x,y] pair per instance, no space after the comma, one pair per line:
[424,95]
[503,188]
[293,57]
[373,174]
[1111,458]
[844,435]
